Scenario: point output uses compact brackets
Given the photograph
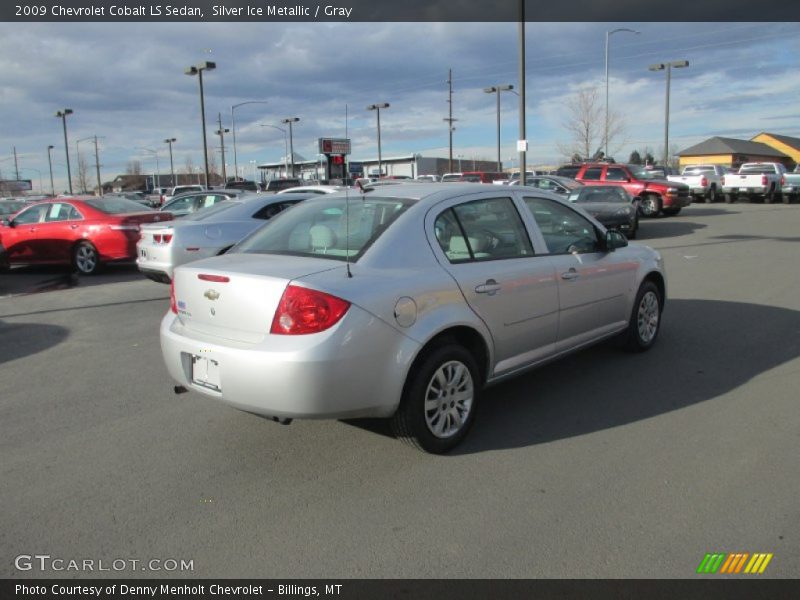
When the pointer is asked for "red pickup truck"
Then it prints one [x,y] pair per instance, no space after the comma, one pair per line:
[658,195]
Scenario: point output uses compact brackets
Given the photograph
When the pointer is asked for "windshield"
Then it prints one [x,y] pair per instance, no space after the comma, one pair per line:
[642,173]
[116,206]
[599,194]
[326,227]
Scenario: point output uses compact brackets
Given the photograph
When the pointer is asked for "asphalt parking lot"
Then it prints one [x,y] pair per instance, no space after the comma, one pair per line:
[602,465]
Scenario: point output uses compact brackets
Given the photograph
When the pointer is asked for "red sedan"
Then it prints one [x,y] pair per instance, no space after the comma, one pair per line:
[84,233]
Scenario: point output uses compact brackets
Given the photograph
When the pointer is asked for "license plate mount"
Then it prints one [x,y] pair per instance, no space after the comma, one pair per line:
[205,372]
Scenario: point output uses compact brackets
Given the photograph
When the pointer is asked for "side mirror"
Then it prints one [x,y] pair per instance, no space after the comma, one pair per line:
[614,240]
[8,222]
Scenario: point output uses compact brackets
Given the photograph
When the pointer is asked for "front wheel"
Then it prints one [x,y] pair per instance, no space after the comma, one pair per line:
[85,259]
[439,400]
[645,321]
[651,205]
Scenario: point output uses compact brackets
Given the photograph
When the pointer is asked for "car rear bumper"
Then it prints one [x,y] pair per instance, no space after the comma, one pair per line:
[355,369]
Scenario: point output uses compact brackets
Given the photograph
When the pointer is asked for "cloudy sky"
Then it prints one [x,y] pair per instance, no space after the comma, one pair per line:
[126,84]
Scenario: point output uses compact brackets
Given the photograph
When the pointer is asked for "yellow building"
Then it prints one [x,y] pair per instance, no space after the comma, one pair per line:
[730,152]
[788,145]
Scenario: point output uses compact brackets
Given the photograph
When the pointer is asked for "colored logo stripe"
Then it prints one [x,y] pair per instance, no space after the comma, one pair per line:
[725,563]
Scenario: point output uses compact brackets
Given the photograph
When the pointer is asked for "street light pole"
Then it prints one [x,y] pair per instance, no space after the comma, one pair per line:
[62,114]
[291,120]
[50,162]
[496,89]
[285,146]
[233,130]
[157,175]
[677,64]
[221,133]
[377,108]
[171,141]
[97,167]
[608,35]
[198,70]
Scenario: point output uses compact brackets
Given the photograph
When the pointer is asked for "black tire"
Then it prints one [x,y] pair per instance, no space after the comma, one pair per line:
[711,196]
[640,336]
[769,197]
[85,258]
[651,205]
[787,198]
[730,198]
[414,424]
[634,230]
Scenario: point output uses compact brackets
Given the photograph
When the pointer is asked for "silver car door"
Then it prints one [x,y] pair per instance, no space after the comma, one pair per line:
[594,285]
[483,244]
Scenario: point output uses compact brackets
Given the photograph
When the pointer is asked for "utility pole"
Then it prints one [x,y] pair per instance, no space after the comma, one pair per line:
[450,118]
[16,165]
[221,133]
[97,166]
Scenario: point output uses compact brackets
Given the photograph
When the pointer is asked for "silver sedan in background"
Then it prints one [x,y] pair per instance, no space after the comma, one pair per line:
[404,302]
[205,233]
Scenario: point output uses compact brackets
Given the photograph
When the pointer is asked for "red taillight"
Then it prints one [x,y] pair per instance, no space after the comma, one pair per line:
[764,180]
[173,306]
[162,238]
[302,311]
[703,181]
[783,179]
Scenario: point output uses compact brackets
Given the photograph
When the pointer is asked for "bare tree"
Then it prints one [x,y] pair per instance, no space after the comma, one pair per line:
[83,174]
[134,167]
[585,121]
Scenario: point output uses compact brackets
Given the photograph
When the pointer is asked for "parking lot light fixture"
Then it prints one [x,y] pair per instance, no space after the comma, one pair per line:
[608,35]
[291,120]
[675,64]
[171,141]
[62,114]
[377,108]
[233,129]
[496,89]
[198,70]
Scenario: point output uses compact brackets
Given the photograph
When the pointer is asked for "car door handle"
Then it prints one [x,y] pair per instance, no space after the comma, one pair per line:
[490,287]
[73,226]
[571,274]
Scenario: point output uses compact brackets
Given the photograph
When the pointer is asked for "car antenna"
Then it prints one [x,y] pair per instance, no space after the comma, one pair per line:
[346,213]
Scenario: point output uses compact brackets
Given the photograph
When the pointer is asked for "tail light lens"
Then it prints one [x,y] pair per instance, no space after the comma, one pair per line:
[303,311]
[763,180]
[722,180]
[162,238]
[783,180]
[173,306]
[703,181]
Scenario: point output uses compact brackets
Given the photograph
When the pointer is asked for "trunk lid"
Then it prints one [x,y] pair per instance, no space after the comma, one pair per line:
[235,296]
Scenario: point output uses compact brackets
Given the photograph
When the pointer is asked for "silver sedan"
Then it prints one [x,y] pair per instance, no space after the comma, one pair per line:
[207,232]
[405,302]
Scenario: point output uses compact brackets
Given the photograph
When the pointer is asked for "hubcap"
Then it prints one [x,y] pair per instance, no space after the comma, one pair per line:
[649,206]
[448,399]
[647,317]
[86,259]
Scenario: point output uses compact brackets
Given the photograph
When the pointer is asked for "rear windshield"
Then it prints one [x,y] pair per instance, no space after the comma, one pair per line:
[757,170]
[327,227]
[210,211]
[116,206]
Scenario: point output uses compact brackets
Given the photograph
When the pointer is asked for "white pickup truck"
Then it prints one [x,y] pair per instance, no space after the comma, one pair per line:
[755,180]
[704,181]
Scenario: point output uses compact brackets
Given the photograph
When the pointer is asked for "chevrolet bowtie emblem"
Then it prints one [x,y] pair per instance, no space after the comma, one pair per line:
[211,294]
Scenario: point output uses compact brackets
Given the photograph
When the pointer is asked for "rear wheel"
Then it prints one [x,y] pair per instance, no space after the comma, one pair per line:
[711,196]
[730,198]
[769,197]
[651,205]
[85,258]
[439,399]
[645,321]
[787,198]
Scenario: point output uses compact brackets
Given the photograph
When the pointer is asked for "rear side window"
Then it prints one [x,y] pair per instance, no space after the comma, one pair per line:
[482,230]
[592,174]
[62,212]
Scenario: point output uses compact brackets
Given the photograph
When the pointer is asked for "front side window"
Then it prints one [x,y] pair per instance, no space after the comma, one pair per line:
[34,214]
[564,230]
[482,230]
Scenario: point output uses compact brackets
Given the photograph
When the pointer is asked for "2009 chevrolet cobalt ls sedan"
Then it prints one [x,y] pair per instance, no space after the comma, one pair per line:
[405,302]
